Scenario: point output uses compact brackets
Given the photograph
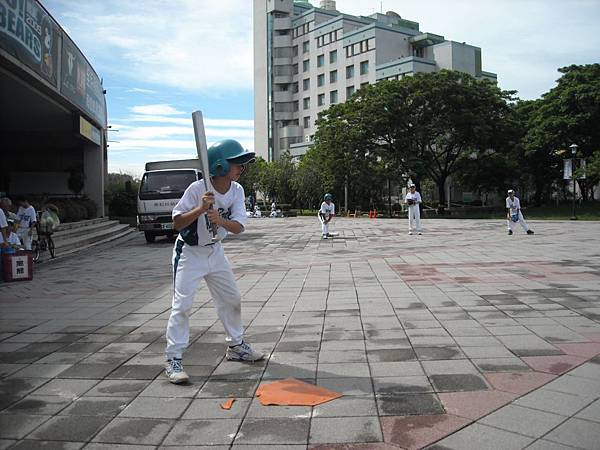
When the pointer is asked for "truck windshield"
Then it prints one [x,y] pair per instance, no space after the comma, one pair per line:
[166,183]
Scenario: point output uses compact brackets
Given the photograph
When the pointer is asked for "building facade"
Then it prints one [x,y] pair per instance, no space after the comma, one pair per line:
[308,58]
[53,116]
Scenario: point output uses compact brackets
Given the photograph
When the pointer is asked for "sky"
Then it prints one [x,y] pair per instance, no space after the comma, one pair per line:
[159,60]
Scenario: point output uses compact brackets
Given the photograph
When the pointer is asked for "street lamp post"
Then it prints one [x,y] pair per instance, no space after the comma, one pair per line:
[573,148]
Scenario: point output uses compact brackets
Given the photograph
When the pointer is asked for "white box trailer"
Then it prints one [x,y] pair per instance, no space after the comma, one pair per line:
[162,185]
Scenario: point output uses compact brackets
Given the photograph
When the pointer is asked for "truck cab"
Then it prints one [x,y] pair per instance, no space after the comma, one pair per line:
[162,185]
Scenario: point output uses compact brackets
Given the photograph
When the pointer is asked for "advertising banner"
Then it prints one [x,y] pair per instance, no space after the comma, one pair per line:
[29,34]
[79,82]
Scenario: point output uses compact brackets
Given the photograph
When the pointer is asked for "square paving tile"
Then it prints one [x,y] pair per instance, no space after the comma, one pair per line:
[17,426]
[343,370]
[592,412]
[400,385]
[474,405]
[66,388]
[478,437]
[96,406]
[553,364]
[210,408]
[39,404]
[117,388]
[396,369]
[519,382]
[439,353]
[161,387]
[226,389]
[134,431]
[415,432]
[391,355]
[577,433]
[512,364]
[345,429]
[529,422]
[347,406]
[273,431]
[348,386]
[409,404]
[555,402]
[156,407]
[458,382]
[203,432]
[70,428]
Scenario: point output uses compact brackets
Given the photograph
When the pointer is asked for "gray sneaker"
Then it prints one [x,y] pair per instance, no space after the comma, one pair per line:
[174,371]
[243,352]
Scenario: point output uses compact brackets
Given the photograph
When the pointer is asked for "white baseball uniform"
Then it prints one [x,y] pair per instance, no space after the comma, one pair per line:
[26,217]
[514,207]
[4,225]
[327,211]
[206,260]
[414,213]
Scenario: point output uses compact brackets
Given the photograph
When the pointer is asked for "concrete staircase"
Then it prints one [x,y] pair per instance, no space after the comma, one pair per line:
[73,237]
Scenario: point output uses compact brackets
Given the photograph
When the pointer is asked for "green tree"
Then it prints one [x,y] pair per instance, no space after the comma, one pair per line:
[251,178]
[308,180]
[569,113]
[455,116]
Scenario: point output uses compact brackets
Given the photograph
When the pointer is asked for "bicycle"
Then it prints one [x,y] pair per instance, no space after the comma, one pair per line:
[43,243]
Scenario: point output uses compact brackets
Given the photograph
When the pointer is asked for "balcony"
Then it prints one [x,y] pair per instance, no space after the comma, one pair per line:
[282,41]
[282,23]
[282,79]
[282,96]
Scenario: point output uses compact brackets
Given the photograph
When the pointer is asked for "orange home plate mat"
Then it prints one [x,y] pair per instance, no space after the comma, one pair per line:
[292,392]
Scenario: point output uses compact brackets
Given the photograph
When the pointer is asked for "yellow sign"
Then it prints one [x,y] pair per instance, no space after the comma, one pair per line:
[89,131]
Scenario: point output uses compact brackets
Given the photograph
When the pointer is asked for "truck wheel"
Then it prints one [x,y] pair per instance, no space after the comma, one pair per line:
[150,237]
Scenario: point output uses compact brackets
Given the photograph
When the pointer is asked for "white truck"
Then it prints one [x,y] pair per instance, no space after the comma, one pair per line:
[162,185]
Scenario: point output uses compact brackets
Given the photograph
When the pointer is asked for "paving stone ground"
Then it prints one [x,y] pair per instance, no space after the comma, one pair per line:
[461,338]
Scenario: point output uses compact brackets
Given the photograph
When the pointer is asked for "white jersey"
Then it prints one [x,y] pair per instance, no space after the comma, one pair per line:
[230,205]
[416,197]
[25,217]
[513,204]
[327,210]
[3,224]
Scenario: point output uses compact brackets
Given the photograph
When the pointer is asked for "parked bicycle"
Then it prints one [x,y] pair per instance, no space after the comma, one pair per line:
[43,242]
[45,228]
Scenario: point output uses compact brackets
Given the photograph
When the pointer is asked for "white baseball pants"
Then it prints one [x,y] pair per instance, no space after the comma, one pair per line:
[190,265]
[414,214]
[25,237]
[324,226]
[510,224]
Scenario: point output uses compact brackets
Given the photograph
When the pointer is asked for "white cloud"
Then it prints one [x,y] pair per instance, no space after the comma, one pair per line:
[193,45]
[155,109]
[142,91]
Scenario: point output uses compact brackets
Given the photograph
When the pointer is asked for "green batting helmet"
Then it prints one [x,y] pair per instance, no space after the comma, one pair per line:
[328,197]
[223,153]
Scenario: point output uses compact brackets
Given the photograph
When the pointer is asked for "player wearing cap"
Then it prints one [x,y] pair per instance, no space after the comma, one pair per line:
[413,200]
[325,214]
[514,214]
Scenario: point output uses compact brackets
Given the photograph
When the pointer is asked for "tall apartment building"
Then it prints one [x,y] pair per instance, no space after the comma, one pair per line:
[308,58]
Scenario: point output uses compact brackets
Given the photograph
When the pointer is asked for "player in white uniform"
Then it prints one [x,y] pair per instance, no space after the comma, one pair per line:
[4,230]
[325,214]
[27,219]
[413,200]
[196,256]
[514,214]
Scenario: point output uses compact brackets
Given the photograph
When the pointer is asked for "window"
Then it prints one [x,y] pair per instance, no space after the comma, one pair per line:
[305,65]
[333,56]
[349,71]
[305,46]
[295,51]
[321,79]
[307,122]
[321,100]
[306,84]
[364,67]
[349,92]
[295,69]
[295,88]
[306,103]
[320,60]
[333,97]
[333,76]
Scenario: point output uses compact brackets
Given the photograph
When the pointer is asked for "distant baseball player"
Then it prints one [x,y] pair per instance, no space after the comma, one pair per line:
[196,256]
[514,214]
[413,200]
[325,214]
